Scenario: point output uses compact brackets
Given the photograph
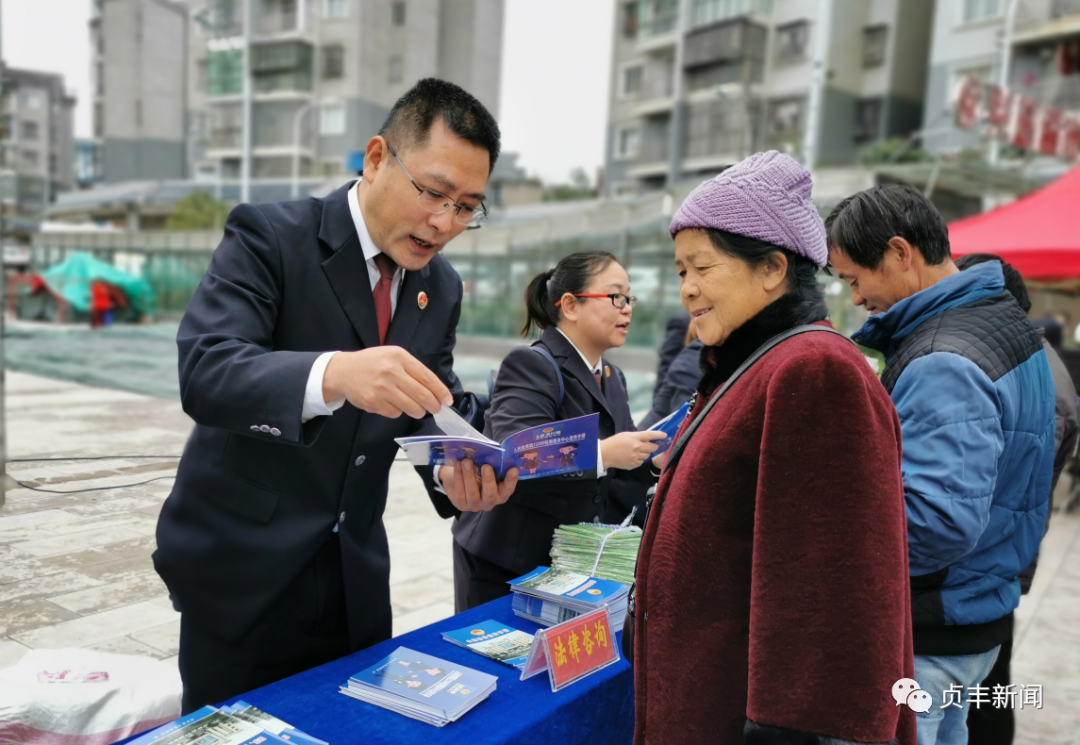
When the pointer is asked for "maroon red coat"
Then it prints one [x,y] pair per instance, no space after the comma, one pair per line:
[772,583]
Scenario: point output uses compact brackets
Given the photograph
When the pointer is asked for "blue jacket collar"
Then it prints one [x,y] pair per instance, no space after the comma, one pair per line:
[883,331]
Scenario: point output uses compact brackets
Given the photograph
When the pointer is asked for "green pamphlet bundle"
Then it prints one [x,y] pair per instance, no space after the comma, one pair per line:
[603,551]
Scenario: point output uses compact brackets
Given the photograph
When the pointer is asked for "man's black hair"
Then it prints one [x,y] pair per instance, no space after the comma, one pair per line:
[1014,283]
[409,122]
[862,225]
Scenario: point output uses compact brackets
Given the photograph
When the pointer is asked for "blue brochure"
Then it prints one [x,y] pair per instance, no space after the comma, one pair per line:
[577,591]
[669,426]
[421,686]
[280,729]
[495,641]
[568,446]
[205,722]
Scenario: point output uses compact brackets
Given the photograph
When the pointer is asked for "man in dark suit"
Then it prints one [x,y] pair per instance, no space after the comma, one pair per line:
[318,324]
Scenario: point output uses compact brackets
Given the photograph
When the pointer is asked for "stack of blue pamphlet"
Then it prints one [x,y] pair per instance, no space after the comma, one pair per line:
[495,641]
[239,724]
[549,596]
[421,687]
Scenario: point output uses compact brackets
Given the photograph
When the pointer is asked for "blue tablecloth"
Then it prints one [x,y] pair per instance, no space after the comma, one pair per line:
[597,709]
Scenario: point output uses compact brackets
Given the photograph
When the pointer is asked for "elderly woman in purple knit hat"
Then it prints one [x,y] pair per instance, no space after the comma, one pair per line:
[772,600]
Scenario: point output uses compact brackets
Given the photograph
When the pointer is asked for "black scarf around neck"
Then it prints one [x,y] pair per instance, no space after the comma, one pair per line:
[789,311]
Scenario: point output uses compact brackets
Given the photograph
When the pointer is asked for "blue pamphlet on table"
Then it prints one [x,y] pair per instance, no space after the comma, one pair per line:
[421,686]
[568,446]
[493,640]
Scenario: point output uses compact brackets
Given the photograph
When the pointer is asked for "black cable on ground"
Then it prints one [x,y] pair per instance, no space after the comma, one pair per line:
[96,488]
[87,457]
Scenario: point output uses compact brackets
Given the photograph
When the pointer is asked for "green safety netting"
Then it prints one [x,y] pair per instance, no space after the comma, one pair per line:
[72,277]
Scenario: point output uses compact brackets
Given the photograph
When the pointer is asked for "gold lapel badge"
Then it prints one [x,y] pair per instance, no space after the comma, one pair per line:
[607,371]
[421,300]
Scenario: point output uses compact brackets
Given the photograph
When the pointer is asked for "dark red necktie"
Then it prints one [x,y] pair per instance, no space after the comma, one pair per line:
[596,374]
[383,307]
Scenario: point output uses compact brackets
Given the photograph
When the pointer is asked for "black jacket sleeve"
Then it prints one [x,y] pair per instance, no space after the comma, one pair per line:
[231,377]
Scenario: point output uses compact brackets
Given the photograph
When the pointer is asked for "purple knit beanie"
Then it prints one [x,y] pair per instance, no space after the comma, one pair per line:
[766,196]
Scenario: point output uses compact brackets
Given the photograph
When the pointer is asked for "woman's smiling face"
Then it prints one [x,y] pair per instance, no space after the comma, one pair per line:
[719,291]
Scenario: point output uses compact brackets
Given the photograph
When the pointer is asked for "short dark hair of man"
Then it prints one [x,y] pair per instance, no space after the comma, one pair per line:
[409,122]
[1014,283]
[862,225]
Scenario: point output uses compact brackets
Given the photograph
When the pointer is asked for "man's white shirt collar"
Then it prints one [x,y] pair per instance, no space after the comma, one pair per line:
[368,245]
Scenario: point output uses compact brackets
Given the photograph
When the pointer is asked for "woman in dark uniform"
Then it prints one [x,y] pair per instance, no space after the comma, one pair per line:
[583,307]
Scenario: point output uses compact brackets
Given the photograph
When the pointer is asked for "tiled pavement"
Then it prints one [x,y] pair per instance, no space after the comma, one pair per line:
[75,569]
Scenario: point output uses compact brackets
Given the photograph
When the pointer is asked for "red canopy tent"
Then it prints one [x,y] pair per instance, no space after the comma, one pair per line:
[1038,234]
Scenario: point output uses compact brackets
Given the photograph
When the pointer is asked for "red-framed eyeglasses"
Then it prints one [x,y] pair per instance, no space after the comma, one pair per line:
[617,299]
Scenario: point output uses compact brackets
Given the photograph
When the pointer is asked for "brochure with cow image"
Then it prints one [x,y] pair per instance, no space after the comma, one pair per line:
[568,446]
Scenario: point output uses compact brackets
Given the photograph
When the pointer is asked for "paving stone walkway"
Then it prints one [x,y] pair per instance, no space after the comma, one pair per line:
[75,569]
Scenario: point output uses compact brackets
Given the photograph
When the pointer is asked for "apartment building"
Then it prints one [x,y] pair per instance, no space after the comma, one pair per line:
[968,40]
[699,84]
[37,146]
[324,75]
[138,50]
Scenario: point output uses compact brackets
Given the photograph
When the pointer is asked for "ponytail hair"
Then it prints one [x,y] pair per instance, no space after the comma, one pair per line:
[572,274]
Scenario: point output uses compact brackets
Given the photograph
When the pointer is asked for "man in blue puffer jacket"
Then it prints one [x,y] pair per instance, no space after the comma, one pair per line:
[971,383]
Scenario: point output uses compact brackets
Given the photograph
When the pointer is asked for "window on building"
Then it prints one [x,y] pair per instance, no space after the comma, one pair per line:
[980,10]
[332,119]
[868,119]
[33,99]
[656,17]
[99,120]
[397,70]
[628,142]
[629,22]
[100,79]
[54,166]
[792,41]
[631,80]
[397,13]
[984,73]
[331,167]
[335,8]
[875,39]
[30,158]
[704,12]
[30,131]
[784,128]
[225,72]
[333,62]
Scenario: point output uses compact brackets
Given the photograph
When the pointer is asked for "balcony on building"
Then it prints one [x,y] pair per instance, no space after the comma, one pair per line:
[282,68]
[285,19]
[653,154]
[1046,56]
[649,85]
